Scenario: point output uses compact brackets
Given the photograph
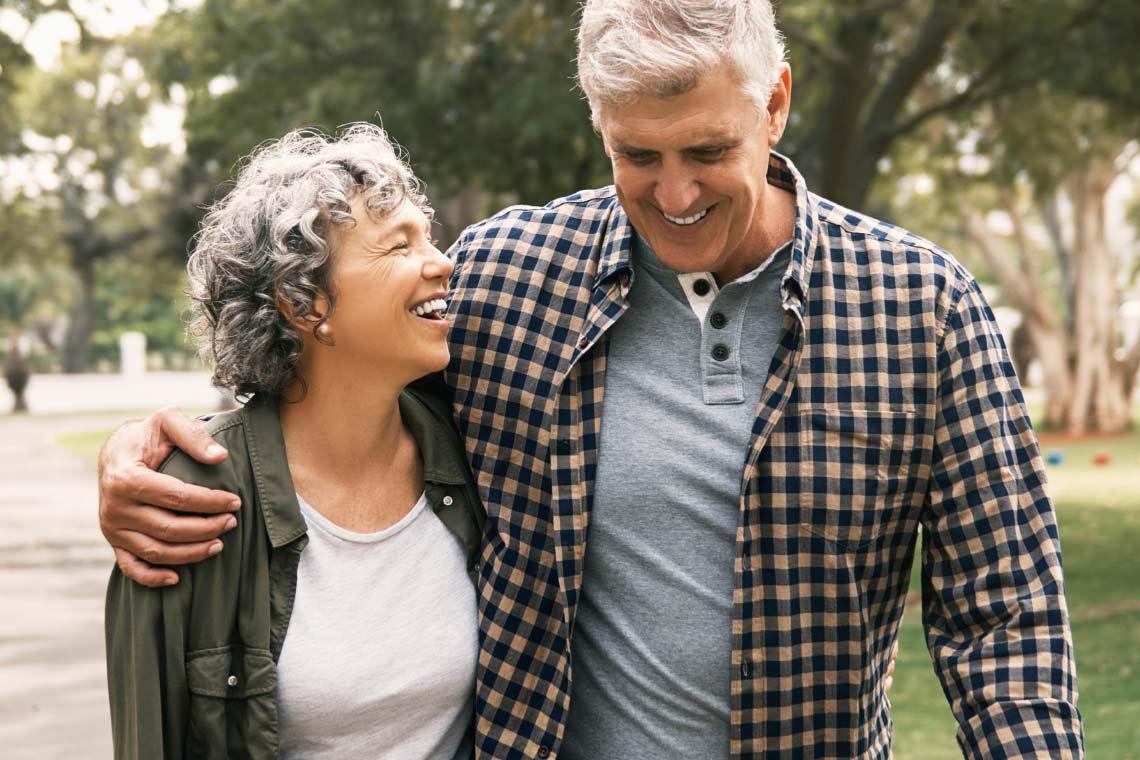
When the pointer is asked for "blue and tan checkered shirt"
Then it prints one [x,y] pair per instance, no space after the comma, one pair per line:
[890,406]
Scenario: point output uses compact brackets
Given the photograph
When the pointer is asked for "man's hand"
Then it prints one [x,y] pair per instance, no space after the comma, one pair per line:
[138,507]
[889,681]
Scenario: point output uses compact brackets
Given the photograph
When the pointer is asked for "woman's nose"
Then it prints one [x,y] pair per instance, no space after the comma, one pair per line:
[437,265]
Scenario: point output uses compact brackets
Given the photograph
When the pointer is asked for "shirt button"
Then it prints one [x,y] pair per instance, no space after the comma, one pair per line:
[720,352]
[448,501]
[231,681]
[718,320]
[583,343]
[544,751]
[701,287]
[745,668]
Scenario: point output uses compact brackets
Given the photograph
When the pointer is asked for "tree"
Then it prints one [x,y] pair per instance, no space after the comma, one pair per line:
[20,290]
[480,92]
[870,74]
[85,119]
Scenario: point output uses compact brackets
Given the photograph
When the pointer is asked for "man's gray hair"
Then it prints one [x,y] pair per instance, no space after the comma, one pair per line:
[269,243]
[631,48]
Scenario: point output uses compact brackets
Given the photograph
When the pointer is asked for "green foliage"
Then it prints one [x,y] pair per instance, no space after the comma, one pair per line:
[146,297]
[480,93]
[20,289]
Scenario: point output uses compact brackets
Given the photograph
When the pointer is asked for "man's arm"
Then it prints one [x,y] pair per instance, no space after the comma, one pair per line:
[993,595]
[142,512]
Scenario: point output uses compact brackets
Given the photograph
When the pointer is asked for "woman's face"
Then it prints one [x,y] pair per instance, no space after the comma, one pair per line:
[390,281]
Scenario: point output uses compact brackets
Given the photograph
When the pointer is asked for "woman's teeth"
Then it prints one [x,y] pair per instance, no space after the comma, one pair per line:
[430,307]
[686,220]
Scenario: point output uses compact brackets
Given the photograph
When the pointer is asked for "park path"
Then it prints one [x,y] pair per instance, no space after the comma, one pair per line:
[53,573]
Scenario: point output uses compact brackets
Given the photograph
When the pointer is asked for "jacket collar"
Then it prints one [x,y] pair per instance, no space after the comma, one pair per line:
[443,461]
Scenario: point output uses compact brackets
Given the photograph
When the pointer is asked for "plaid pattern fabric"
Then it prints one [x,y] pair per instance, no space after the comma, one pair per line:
[890,406]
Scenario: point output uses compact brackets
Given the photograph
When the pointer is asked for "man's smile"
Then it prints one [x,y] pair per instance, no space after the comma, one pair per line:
[685,221]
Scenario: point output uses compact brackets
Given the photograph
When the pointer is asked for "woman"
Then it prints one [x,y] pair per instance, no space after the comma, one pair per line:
[340,619]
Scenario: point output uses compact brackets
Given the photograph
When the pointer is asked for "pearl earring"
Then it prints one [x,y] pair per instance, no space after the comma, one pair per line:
[324,330]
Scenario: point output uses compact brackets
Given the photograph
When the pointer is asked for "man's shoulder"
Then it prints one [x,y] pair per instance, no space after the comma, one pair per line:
[846,229]
[568,216]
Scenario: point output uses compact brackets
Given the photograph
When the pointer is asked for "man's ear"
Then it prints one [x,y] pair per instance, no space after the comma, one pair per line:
[779,105]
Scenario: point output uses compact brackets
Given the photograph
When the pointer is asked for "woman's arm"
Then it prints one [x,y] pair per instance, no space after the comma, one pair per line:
[146,673]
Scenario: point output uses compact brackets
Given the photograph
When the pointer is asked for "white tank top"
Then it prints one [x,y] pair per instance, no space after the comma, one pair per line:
[379,658]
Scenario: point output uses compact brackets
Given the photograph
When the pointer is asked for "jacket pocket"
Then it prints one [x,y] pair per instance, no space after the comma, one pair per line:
[858,466]
[233,711]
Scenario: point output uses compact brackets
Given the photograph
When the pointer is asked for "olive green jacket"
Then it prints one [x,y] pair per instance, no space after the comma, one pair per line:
[192,668]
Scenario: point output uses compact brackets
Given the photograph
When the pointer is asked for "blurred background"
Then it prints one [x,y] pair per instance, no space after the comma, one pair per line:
[1006,130]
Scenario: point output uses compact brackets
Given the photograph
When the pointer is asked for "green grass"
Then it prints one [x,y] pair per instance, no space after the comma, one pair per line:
[1098,517]
[86,445]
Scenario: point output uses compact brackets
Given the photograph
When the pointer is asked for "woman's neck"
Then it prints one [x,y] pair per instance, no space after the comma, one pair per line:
[336,420]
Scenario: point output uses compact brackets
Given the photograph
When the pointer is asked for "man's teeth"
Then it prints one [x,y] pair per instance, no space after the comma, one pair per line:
[437,304]
[683,220]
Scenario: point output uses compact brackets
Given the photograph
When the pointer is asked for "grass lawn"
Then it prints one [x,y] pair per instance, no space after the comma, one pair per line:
[1098,516]
[86,445]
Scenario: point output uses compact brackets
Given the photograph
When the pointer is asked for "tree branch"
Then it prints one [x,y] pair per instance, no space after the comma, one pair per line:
[831,56]
[924,54]
[975,91]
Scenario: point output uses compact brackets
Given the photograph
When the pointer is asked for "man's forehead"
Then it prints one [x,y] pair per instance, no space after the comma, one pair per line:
[633,134]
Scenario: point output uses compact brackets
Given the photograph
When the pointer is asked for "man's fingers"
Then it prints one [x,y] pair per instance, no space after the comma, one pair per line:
[188,434]
[149,487]
[140,572]
[162,553]
[166,526]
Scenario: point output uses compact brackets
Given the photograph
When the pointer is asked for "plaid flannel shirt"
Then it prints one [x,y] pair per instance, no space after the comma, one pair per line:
[890,406]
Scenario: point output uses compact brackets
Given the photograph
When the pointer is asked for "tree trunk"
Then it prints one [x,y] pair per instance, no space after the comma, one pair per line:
[1099,403]
[16,372]
[77,342]
[1018,281]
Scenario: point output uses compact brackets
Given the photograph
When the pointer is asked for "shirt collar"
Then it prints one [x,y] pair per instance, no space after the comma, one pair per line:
[619,237]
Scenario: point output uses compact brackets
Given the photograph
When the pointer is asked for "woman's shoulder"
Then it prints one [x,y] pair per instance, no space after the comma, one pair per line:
[228,429]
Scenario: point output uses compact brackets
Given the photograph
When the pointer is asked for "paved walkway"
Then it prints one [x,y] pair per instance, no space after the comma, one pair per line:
[53,572]
[54,563]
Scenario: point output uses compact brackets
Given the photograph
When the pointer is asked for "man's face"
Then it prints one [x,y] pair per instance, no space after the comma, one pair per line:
[690,172]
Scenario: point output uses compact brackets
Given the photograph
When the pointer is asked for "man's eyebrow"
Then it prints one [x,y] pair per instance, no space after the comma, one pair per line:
[702,144]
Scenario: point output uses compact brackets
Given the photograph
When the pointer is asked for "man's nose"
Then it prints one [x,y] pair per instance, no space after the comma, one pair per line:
[677,190]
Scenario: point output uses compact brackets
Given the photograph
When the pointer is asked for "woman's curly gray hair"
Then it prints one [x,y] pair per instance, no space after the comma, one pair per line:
[268,244]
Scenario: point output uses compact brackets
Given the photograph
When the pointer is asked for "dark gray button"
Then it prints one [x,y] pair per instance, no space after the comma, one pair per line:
[718,320]
[720,352]
[701,287]
[583,343]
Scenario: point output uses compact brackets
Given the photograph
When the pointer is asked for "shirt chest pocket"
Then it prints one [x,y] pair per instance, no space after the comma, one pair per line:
[233,711]
[857,471]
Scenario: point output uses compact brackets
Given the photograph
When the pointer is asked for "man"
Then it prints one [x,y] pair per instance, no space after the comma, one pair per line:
[708,412]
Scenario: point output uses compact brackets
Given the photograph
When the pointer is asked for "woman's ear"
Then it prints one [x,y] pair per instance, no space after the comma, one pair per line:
[314,323]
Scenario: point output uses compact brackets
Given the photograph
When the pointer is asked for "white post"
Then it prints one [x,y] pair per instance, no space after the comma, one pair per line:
[132,355]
